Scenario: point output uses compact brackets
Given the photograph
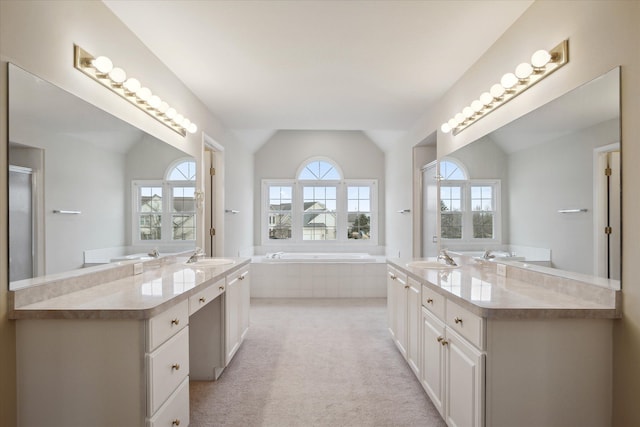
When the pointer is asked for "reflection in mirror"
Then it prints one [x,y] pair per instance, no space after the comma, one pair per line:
[86,188]
[544,189]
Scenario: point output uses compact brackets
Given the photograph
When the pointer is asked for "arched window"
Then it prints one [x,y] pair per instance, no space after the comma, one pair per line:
[320,205]
[452,170]
[166,210]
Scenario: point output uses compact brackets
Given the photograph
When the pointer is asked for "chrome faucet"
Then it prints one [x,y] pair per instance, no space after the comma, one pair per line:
[488,254]
[154,253]
[199,253]
[447,258]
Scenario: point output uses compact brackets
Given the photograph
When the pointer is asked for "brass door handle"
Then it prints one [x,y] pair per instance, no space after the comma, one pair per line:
[429,300]
[458,320]
[406,286]
[393,277]
[202,299]
[241,277]
[440,339]
[175,366]
[175,422]
[221,288]
[175,321]
[444,342]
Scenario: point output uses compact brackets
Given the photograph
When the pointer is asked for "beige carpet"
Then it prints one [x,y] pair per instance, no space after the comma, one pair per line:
[315,362]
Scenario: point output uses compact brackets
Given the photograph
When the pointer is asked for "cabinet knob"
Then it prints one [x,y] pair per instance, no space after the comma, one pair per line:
[444,342]
[241,277]
[458,320]
[429,300]
[393,277]
[175,321]
[440,339]
[202,299]
[175,422]
[221,288]
[175,367]
[406,286]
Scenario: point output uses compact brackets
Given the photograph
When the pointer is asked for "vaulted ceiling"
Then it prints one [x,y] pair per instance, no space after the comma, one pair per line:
[374,66]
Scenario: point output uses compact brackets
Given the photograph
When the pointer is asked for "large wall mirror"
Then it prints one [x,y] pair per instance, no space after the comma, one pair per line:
[544,189]
[86,188]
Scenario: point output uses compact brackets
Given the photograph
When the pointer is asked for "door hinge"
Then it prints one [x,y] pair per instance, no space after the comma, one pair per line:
[212,232]
[607,172]
[212,171]
[608,230]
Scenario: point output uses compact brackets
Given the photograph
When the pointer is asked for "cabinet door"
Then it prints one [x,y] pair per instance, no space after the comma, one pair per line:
[391,303]
[465,382]
[400,298]
[245,302]
[432,369]
[232,318]
[414,305]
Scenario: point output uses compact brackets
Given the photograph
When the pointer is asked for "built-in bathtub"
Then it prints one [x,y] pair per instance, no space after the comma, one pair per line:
[318,275]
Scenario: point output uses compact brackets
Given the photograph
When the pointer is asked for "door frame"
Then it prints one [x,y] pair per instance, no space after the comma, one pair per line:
[213,217]
[600,210]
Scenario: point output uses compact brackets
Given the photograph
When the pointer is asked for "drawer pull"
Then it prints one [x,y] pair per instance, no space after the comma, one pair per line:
[440,339]
[429,300]
[175,367]
[393,276]
[444,342]
[221,288]
[202,299]
[458,320]
[175,321]
[406,286]
[241,277]
[175,422]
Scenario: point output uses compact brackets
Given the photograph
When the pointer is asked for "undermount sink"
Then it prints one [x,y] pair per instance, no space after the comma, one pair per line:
[212,262]
[431,265]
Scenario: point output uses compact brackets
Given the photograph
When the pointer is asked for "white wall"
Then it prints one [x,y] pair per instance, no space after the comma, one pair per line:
[602,35]
[357,156]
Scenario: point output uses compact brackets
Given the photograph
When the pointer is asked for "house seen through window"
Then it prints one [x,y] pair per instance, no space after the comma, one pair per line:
[320,205]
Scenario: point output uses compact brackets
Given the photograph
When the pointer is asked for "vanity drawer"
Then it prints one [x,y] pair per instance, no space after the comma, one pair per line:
[433,301]
[165,324]
[238,275]
[465,323]
[175,411]
[202,298]
[168,366]
[394,274]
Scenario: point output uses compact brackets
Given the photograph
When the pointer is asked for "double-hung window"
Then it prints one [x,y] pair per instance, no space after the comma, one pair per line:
[165,210]
[320,205]
[469,208]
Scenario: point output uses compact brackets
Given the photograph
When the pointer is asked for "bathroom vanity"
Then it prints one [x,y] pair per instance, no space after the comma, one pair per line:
[114,346]
[523,348]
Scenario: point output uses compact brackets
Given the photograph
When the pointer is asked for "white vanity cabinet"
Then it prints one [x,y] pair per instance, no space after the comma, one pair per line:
[405,316]
[236,311]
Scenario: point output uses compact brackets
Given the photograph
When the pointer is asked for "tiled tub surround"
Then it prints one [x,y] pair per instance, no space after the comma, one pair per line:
[106,347]
[318,279]
[529,348]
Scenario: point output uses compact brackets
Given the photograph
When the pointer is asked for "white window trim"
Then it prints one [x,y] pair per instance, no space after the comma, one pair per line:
[467,215]
[167,198]
[297,207]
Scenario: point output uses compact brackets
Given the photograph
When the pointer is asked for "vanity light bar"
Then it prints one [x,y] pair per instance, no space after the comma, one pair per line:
[101,69]
[511,85]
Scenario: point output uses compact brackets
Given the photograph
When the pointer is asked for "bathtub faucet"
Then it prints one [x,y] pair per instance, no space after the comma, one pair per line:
[199,253]
[154,253]
[447,258]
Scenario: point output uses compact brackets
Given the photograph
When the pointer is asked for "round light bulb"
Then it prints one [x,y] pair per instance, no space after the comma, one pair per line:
[117,75]
[185,123]
[524,70]
[468,112]
[132,85]
[445,128]
[102,64]
[144,94]
[509,80]
[459,117]
[452,123]
[154,101]
[540,58]
[477,106]
[497,90]
[192,128]
[178,119]
[486,98]
[163,107]
[171,113]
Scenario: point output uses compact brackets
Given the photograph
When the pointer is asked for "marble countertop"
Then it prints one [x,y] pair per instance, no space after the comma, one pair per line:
[479,289]
[139,296]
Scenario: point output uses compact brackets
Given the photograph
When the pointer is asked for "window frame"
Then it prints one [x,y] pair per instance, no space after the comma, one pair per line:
[467,212]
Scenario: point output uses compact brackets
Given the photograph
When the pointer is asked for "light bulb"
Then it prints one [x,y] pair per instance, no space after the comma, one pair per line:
[497,91]
[453,123]
[178,119]
[486,98]
[102,64]
[477,106]
[524,70]
[540,58]
[154,101]
[171,113]
[117,75]
[509,80]
[144,94]
[468,112]
[445,128]
[192,128]
[459,117]
[185,123]
[132,85]
[163,107]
